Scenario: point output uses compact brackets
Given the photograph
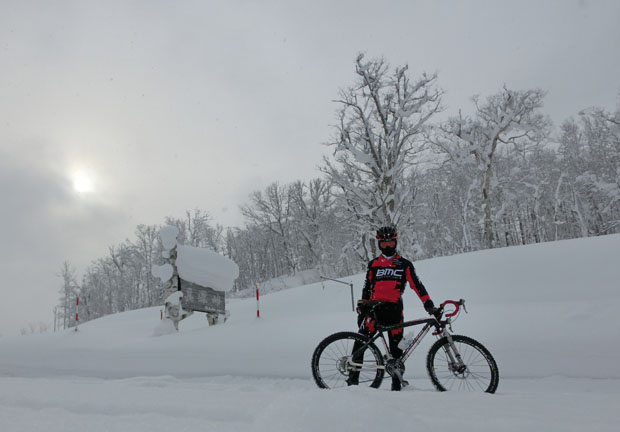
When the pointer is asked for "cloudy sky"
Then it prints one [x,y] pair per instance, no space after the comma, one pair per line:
[116,113]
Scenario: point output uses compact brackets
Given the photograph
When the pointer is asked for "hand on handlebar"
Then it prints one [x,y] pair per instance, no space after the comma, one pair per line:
[429,306]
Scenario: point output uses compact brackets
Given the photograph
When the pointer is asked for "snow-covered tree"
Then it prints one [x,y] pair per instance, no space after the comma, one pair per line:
[271,210]
[510,119]
[313,223]
[68,293]
[381,119]
[196,230]
[590,160]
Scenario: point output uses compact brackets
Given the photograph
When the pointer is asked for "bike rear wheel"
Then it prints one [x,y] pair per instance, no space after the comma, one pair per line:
[330,361]
[477,372]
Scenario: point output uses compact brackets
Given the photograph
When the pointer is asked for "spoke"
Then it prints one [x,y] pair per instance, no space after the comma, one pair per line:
[477,376]
[334,379]
[330,364]
[477,381]
[471,354]
[469,385]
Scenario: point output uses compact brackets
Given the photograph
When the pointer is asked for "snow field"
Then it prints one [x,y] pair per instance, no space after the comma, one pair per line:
[265,404]
[548,313]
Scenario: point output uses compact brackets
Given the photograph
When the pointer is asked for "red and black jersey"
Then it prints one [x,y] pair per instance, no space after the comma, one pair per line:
[386,278]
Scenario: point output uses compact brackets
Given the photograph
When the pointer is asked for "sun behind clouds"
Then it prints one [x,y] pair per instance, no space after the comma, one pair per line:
[82,182]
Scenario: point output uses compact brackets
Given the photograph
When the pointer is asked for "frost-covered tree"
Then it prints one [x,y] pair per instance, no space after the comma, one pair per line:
[196,229]
[271,210]
[68,293]
[147,252]
[446,213]
[312,220]
[381,119]
[507,120]
[590,162]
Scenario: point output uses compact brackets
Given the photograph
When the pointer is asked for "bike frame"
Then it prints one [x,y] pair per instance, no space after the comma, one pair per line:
[379,333]
[441,329]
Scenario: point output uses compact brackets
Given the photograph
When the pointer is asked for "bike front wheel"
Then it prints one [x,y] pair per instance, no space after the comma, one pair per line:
[465,365]
[331,362]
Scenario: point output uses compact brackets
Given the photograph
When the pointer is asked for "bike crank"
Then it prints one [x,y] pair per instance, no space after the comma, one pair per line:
[396,368]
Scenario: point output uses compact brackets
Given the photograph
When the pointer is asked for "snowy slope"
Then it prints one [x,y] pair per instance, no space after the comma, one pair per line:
[548,313]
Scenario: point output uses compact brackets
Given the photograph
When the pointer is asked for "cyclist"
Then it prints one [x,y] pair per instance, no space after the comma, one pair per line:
[385,282]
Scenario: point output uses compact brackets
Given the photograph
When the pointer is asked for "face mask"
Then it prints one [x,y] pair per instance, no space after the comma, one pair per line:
[388,248]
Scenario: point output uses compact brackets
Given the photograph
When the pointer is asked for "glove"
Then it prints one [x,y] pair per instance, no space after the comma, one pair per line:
[361,306]
[429,306]
[361,311]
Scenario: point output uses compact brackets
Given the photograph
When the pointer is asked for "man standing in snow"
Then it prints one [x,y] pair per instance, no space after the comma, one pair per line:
[385,282]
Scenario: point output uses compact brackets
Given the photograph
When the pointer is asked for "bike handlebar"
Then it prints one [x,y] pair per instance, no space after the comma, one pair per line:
[456,304]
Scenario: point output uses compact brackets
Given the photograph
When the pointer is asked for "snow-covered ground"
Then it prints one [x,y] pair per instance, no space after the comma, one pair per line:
[549,313]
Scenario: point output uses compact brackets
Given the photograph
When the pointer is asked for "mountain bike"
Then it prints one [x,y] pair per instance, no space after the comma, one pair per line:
[454,362]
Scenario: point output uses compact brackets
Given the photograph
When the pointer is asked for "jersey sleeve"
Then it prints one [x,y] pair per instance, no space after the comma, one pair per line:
[415,283]
[366,291]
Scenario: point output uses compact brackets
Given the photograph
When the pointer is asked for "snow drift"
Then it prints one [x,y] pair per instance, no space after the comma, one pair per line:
[547,309]
[547,312]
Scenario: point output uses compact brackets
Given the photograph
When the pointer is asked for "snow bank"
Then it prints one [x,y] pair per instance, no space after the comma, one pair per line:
[548,313]
[542,310]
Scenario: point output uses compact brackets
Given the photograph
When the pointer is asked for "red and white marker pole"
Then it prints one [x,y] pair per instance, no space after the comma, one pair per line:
[77,304]
[257,303]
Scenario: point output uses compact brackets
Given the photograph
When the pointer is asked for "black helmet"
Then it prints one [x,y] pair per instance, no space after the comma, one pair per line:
[387,233]
[384,235]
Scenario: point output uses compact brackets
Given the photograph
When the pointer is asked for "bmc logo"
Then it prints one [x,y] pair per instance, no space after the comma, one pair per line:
[389,272]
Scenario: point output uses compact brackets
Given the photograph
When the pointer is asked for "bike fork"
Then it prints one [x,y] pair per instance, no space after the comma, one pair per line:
[458,361]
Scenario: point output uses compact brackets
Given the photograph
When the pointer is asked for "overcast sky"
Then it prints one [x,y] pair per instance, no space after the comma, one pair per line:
[158,106]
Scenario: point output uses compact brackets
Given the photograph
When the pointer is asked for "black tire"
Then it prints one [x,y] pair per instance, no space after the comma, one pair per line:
[328,361]
[480,374]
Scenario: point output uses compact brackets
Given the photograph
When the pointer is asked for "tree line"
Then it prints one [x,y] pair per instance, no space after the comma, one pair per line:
[501,175]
